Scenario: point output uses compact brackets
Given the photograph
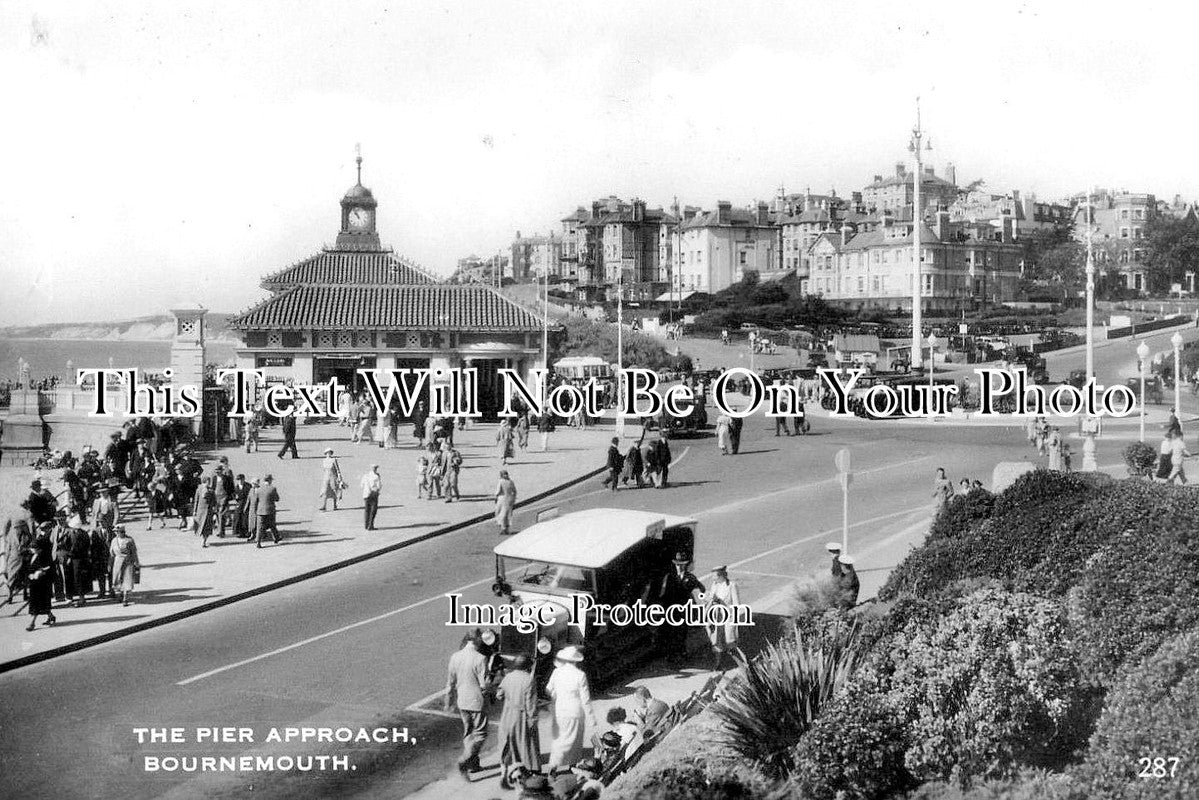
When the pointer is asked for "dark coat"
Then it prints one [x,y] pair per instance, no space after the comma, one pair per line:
[615,459]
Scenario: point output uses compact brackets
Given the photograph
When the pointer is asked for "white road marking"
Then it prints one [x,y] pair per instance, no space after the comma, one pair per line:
[319,637]
[832,479]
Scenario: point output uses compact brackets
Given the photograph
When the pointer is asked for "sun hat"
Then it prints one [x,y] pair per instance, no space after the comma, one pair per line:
[570,653]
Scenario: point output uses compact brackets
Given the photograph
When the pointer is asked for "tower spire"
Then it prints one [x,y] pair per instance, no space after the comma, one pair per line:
[358,158]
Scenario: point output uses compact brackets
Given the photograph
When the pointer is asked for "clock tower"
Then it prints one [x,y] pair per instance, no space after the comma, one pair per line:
[358,218]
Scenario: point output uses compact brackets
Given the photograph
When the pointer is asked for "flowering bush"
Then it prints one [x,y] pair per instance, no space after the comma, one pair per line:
[987,689]
[1151,712]
[1142,586]
[1140,459]
[977,691]
[856,747]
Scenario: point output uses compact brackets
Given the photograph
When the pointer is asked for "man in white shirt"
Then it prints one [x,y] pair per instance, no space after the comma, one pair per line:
[372,484]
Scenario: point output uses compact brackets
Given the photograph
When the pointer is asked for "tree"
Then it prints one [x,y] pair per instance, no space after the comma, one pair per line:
[1172,248]
[1055,257]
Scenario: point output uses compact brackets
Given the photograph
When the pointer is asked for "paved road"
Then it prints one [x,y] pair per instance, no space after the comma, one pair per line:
[361,645]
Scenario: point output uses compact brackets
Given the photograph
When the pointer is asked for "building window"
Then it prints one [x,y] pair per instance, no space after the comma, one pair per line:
[1136,233]
[1124,233]
[1138,213]
[742,256]
[1124,213]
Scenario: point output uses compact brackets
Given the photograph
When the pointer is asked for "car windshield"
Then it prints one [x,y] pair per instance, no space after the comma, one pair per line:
[525,573]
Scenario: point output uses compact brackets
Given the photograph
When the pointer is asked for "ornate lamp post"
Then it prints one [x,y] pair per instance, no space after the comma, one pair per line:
[1142,363]
[1176,341]
[914,146]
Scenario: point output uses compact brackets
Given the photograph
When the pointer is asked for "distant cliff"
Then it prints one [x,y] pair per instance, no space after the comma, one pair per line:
[160,327]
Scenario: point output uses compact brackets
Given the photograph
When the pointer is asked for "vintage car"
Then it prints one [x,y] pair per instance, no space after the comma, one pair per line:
[615,556]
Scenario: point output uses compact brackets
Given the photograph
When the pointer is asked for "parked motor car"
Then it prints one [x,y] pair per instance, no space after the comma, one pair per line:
[1155,390]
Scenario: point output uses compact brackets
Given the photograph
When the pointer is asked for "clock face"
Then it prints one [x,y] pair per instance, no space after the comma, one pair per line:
[359,218]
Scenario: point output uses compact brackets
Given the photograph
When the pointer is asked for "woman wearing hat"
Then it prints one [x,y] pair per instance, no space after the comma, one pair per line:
[722,637]
[332,482]
[125,564]
[519,743]
[568,689]
[41,582]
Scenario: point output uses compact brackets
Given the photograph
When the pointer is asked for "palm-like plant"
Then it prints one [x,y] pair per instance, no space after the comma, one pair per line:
[780,692]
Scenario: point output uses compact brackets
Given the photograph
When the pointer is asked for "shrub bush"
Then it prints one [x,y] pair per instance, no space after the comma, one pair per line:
[691,780]
[960,514]
[986,689]
[778,695]
[1142,587]
[1152,711]
[1029,785]
[855,747]
[1026,520]
[1140,459]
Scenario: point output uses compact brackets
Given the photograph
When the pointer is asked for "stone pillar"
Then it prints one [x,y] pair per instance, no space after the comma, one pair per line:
[22,437]
[187,350]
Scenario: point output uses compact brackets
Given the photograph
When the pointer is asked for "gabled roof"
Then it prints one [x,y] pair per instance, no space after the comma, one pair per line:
[464,307]
[588,539]
[380,267]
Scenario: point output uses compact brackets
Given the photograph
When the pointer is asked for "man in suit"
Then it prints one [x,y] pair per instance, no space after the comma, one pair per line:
[614,465]
[678,588]
[662,458]
[735,433]
[289,435]
[464,687]
[268,497]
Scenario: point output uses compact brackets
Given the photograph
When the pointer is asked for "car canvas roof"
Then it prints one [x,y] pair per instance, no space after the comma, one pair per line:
[588,539]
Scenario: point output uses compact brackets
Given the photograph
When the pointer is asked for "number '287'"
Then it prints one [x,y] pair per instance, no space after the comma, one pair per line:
[1158,767]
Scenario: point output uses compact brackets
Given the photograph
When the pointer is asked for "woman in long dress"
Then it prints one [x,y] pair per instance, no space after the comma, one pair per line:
[332,481]
[503,438]
[724,434]
[568,688]
[41,582]
[125,564]
[722,637]
[17,540]
[942,489]
[522,431]
[505,501]
[205,509]
[383,428]
[1054,446]
[519,742]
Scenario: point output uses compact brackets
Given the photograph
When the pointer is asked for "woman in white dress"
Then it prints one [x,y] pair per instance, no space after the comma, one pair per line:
[724,438]
[568,689]
[722,637]
[125,564]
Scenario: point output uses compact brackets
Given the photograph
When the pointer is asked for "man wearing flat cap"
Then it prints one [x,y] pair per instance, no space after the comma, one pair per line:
[834,549]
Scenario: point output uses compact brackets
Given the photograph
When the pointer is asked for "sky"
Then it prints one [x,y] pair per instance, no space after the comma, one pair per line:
[163,153]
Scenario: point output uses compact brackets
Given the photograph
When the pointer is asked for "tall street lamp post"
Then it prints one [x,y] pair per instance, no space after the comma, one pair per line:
[914,146]
[1142,362]
[1176,341]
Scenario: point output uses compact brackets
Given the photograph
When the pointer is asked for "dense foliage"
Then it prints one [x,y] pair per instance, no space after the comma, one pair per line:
[1151,712]
[585,337]
[1140,459]
[691,781]
[1040,644]
[780,692]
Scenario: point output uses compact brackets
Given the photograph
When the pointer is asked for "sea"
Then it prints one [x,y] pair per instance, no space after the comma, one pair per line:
[49,357]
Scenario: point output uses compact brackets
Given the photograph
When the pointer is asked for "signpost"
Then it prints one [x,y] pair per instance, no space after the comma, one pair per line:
[843,467]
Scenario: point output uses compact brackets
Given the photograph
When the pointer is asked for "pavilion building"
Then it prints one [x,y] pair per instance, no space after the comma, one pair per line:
[358,305]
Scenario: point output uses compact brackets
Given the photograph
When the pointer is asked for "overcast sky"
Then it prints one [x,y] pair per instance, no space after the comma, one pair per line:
[158,153]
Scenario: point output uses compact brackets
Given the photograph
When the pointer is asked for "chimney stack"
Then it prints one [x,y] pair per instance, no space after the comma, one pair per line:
[724,211]
[951,173]
[846,231]
[901,169]
[638,210]
[763,216]
[1008,234]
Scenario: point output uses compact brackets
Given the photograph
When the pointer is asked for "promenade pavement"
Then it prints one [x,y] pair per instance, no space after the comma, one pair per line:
[178,576]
